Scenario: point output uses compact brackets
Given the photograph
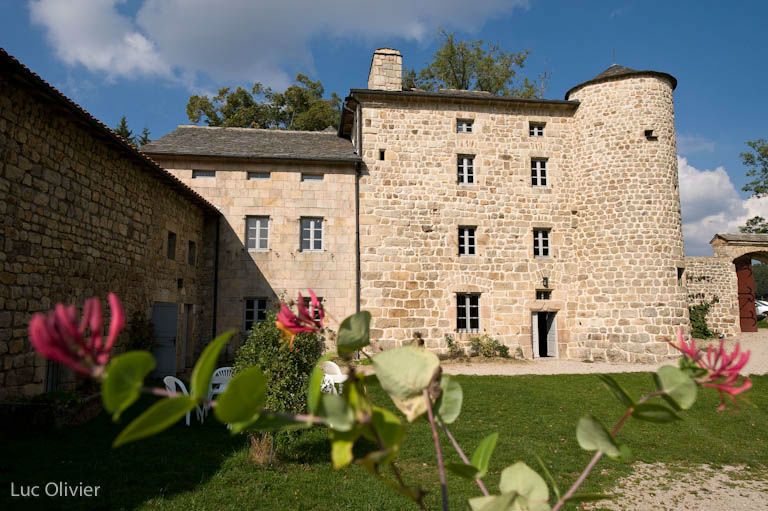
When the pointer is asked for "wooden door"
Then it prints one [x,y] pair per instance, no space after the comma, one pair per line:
[747,313]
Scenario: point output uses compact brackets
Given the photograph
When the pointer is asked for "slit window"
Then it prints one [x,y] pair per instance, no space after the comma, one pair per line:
[254,176]
[464,125]
[255,312]
[257,232]
[198,174]
[467,312]
[536,129]
[191,253]
[467,238]
[311,234]
[311,177]
[171,246]
[541,243]
[466,169]
[538,172]
[381,154]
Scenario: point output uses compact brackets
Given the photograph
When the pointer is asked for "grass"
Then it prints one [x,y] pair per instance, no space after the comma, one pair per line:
[203,467]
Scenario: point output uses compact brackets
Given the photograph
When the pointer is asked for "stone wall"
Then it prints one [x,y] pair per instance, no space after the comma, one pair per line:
[83,216]
[283,270]
[713,279]
[386,71]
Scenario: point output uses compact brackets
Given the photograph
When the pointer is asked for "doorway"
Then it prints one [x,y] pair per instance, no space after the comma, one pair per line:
[544,338]
[165,321]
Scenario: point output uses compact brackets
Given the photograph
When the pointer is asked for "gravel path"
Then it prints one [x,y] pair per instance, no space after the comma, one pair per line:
[757,343]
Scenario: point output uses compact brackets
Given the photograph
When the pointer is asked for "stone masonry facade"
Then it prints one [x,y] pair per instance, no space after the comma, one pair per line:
[713,280]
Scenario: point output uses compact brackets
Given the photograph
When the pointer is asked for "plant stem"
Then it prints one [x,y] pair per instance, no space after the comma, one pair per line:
[438,451]
[598,455]
[463,457]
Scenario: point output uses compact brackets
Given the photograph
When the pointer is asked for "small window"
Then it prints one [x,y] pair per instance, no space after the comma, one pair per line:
[536,129]
[171,246]
[541,243]
[311,234]
[464,125]
[307,301]
[196,174]
[257,232]
[650,135]
[255,311]
[311,177]
[681,276]
[543,295]
[466,169]
[538,172]
[381,154]
[467,312]
[192,253]
[253,176]
[467,241]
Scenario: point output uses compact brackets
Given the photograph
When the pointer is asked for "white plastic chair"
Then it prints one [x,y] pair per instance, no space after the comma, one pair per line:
[173,384]
[218,385]
[333,381]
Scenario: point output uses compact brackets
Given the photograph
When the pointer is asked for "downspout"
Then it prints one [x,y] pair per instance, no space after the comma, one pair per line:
[358,170]
[215,278]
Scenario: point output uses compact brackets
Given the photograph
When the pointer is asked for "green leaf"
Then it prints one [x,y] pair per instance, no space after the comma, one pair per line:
[463,470]
[243,398]
[388,427]
[677,385]
[526,482]
[617,390]
[449,404]
[548,474]
[161,415]
[625,453]
[354,333]
[652,412]
[123,380]
[336,412]
[592,436]
[588,497]
[404,373]
[481,458]
[341,448]
[492,502]
[206,364]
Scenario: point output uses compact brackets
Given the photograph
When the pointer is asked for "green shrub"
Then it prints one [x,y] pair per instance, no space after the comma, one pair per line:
[487,346]
[698,314]
[454,350]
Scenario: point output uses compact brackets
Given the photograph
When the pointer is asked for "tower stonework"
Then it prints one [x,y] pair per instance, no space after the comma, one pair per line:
[630,297]
[386,70]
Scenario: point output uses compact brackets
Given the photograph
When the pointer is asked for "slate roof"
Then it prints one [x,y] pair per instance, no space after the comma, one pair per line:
[21,74]
[252,143]
[743,237]
[617,71]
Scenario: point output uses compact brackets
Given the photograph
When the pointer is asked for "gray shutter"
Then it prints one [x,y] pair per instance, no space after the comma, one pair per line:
[535,333]
[551,334]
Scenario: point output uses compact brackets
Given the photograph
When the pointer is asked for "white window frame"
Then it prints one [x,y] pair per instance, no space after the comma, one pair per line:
[465,167]
[536,129]
[467,240]
[464,125]
[541,245]
[254,175]
[314,230]
[257,233]
[465,310]
[253,305]
[539,172]
[203,174]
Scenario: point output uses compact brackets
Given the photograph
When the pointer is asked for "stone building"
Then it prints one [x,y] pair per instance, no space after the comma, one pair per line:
[551,225]
[84,213]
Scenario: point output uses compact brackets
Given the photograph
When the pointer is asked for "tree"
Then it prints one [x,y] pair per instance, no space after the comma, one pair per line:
[760,274]
[755,225]
[475,65]
[144,137]
[123,130]
[756,162]
[301,106]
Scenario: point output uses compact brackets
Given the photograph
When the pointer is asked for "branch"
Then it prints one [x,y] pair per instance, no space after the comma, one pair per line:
[438,451]
[463,457]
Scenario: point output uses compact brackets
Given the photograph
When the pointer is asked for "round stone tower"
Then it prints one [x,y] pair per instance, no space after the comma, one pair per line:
[628,232]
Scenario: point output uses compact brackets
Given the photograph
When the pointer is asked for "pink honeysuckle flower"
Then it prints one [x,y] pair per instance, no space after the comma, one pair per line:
[722,368]
[309,319]
[58,336]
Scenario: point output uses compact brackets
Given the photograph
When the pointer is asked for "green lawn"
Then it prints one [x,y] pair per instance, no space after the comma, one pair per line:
[203,467]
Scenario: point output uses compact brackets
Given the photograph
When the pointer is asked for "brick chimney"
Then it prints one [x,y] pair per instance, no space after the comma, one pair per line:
[386,70]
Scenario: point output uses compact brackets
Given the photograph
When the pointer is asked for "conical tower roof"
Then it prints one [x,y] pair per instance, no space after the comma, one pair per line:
[617,71]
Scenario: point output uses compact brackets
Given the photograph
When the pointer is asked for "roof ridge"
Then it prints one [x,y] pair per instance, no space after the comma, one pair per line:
[270,130]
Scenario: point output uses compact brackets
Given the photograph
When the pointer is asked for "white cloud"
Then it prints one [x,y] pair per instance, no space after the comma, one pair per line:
[691,144]
[710,204]
[238,40]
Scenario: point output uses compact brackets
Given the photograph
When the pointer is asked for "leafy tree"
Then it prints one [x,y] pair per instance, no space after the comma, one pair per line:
[123,130]
[144,138]
[301,106]
[475,65]
[760,273]
[756,162]
[755,225]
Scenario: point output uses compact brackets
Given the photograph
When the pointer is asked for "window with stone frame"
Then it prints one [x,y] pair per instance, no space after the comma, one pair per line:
[464,125]
[466,169]
[539,172]
[543,294]
[197,174]
[467,240]
[255,311]
[536,129]
[171,246]
[311,234]
[256,175]
[257,232]
[467,312]
[541,243]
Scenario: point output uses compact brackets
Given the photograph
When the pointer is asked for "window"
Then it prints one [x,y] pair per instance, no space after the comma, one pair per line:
[536,129]
[539,172]
[311,177]
[680,276]
[381,154]
[464,125]
[252,176]
[307,301]
[467,312]
[192,253]
[543,295]
[466,169]
[311,234]
[255,311]
[541,243]
[257,232]
[203,173]
[171,245]
[467,241]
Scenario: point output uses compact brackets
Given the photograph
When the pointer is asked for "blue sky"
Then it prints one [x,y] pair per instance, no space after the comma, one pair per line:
[143,58]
